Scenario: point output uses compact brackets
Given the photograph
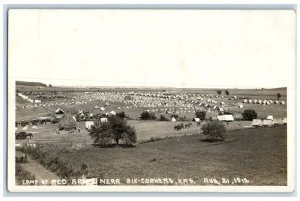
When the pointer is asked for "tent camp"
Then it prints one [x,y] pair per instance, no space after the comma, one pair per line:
[59,111]
[67,123]
[173,119]
[256,123]
[267,122]
[89,124]
[226,117]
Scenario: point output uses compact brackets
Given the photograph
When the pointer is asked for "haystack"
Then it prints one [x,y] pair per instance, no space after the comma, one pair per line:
[67,123]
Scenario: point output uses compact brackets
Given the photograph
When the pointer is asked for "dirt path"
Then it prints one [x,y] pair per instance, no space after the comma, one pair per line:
[36,169]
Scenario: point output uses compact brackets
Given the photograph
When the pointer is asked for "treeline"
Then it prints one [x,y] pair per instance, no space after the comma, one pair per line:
[37,84]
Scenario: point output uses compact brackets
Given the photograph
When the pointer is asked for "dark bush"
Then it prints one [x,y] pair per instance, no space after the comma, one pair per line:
[121,115]
[174,115]
[214,130]
[249,115]
[201,115]
[163,118]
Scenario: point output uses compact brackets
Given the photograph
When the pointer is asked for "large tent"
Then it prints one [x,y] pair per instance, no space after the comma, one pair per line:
[278,121]
[267,122]
[59,111]
[67,123]
[256,122]
[226,117]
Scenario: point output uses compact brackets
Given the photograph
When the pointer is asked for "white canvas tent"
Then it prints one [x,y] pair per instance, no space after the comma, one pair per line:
[267,122]
[173,119]
[59,111]
[196,119]
[102,108]
[256,122]
[89,124]
[278,121]
[226,117]
[103,120]
[284,120]
[270,117]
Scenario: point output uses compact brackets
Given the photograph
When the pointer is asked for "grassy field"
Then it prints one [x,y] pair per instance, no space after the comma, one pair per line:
[145,131]
[259,155]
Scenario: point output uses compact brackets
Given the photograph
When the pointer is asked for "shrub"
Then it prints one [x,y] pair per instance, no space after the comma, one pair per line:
[163,118]
[214,130]
[201,115]
[174,115]
[249,115]
[278,96]
[121,115]
[147,116]
[219,92]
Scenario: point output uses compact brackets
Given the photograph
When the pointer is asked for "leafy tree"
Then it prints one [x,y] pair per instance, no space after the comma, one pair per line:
[219,92]
[50,85]
[249,115]
[147,116]
[115,129]
[214,130]
[121,115]
[201,115]
[278,96]
[227,92]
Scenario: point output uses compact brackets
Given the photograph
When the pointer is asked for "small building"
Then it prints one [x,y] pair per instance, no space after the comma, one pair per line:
[270,117]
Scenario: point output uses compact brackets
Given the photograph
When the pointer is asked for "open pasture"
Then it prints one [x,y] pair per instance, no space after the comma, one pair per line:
[256,154]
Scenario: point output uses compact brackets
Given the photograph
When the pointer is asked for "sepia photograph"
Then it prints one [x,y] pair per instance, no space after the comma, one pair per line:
[151,100]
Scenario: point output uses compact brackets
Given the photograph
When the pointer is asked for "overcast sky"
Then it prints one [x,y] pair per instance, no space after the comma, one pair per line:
[175,48]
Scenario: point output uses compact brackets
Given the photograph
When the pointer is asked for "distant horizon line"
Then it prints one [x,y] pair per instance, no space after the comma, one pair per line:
[161,87]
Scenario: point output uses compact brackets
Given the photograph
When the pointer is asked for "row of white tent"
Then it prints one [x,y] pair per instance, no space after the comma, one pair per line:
[270,121]
[265,102]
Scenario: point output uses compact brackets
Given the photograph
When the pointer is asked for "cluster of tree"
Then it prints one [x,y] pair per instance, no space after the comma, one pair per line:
[148,115]
[249,115]
[111,132]
[201,115]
